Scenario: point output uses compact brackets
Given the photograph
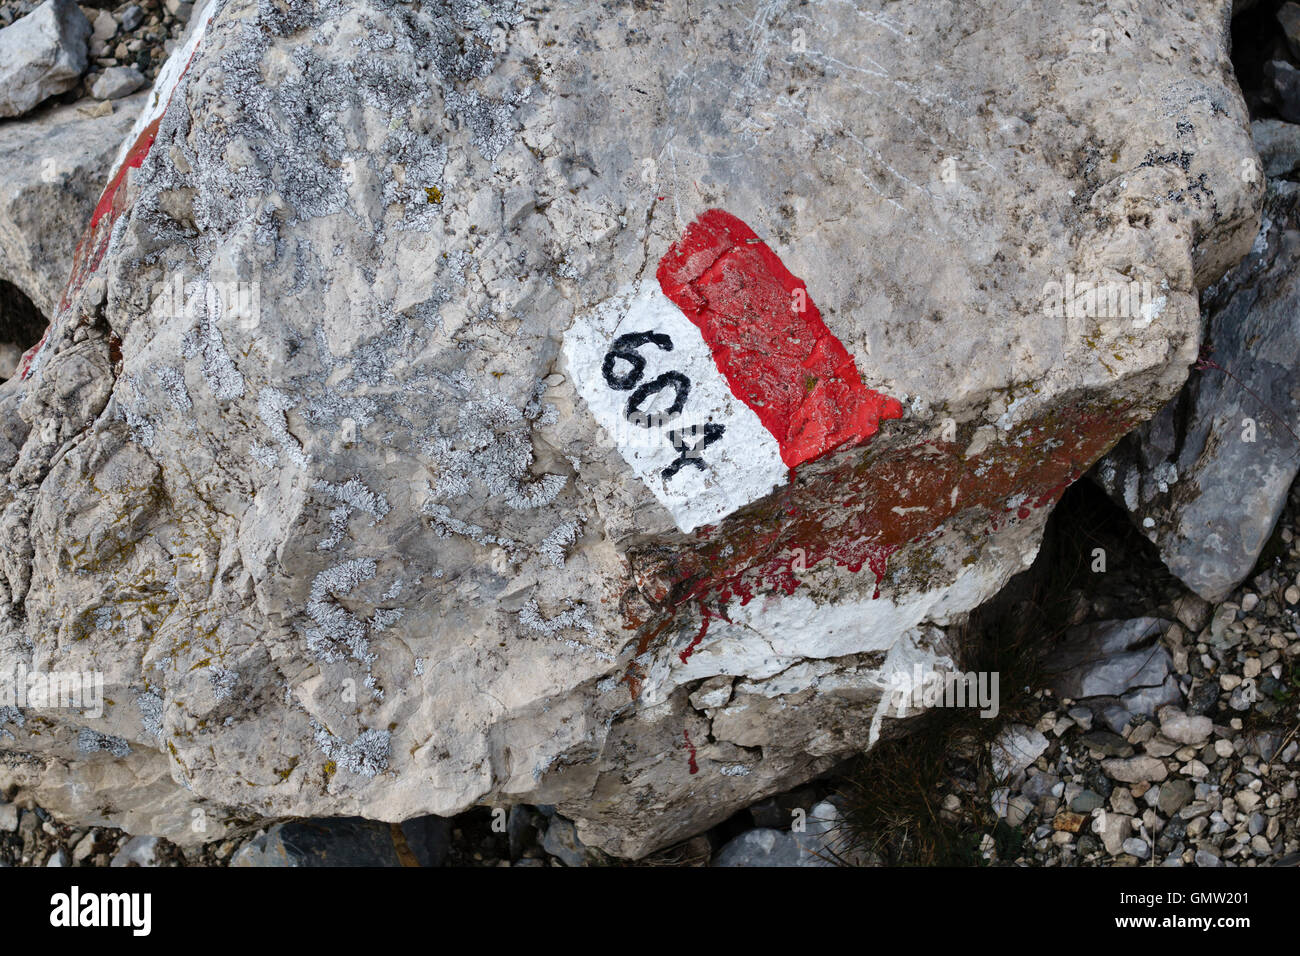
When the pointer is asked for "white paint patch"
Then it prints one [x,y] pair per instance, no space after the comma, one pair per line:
[740,465]
[776,632]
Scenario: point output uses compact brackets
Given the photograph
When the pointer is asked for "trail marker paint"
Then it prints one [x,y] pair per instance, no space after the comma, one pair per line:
[112,202]
[719,377]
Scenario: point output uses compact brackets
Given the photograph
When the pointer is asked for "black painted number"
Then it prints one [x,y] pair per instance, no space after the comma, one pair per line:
[625,350]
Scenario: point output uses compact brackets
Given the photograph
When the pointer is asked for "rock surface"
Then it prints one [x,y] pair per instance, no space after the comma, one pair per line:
[41,54]
[1278,143]
[1118,668]
[117,82]
[313,465]
[348,842]
[818,843]
[1207,478]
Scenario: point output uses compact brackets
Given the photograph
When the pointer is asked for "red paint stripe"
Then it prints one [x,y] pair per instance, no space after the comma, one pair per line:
[134,160]
[94,242]
[782,362]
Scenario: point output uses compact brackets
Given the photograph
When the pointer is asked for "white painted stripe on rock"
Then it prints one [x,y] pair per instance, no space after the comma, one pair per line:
[741,465]
[168,76]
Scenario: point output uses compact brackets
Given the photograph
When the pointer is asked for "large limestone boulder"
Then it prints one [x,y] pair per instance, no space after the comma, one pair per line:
[598,407]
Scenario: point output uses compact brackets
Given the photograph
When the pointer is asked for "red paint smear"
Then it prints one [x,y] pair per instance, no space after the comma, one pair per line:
[782,362]
[695,642]
[134,160]
[857,510]
[694,767]
[94,243]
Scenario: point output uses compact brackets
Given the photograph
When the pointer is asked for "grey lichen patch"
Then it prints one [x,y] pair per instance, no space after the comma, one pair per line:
[150,706]
[224,681]
[173,384]
[271,406]
[367,755]
[336,629]
[492,445]
[353,495]
[554,547]
[575,617]
[92,741]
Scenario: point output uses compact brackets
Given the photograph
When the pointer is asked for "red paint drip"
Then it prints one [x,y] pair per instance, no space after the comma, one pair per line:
[695,642]
[690,747]
[769,341]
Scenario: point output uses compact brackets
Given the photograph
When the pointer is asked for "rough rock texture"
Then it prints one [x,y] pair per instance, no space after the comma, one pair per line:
[1279,147]
[1117,668]
[52,169]
[348,842]
[817,844]
[1207,478]
[117,82]
[42,54]
[342,531]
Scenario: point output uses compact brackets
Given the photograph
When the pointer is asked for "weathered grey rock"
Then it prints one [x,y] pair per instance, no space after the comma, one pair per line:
[1207,478]
[1143,769]
[1286,83]
[348,842]
[1137,847]
[767,847]
[1288,15]
[117,82]
[1184,729]
[41,54]
[562,842]
[103,28]
[1278,143]
[8,818]
[1174,795]
[1014,749]
[1106,743]
[1119,667]
[10,355]
[819,844]
[1114,830]
[139,850]
[132,17]
[84,849]
[351,537]
[53,167]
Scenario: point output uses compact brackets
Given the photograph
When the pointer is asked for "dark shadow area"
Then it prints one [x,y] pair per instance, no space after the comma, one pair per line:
[21,325]
[1257,38]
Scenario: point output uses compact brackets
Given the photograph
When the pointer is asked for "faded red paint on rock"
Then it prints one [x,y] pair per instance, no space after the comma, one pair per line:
[866,507]
[769,340]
